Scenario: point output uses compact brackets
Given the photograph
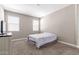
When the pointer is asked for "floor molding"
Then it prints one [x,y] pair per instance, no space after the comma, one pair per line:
[69,44]
[19,39]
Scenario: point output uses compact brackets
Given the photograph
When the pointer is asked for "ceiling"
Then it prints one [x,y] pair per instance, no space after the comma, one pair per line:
[36,10]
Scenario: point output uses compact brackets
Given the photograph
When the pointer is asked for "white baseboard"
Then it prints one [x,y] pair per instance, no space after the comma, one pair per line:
[19,39]
[69,44]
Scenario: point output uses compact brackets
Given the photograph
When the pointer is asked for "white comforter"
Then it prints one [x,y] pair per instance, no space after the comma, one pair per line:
[42,38]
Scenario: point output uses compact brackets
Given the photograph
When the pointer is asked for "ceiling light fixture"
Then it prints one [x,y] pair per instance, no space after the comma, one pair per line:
[38,4]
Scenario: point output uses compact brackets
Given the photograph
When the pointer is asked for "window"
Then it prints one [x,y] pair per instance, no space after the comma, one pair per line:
[35,25]
[13,23]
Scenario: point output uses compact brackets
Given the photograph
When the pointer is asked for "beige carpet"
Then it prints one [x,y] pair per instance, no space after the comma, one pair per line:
[22,47]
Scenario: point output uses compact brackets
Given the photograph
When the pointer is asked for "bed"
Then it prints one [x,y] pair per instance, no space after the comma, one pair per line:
[42,38]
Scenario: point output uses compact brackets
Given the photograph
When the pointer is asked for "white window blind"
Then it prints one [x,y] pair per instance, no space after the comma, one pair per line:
[35,25]
[13,23]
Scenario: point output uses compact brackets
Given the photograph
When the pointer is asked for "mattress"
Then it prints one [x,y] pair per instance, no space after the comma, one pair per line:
[42,38]
[41,35]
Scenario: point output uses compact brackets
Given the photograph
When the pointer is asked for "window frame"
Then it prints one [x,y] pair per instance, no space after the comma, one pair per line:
[13,23]
[36,26]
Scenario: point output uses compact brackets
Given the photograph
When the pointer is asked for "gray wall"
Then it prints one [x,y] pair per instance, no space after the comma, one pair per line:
[25,24]
[62,23]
